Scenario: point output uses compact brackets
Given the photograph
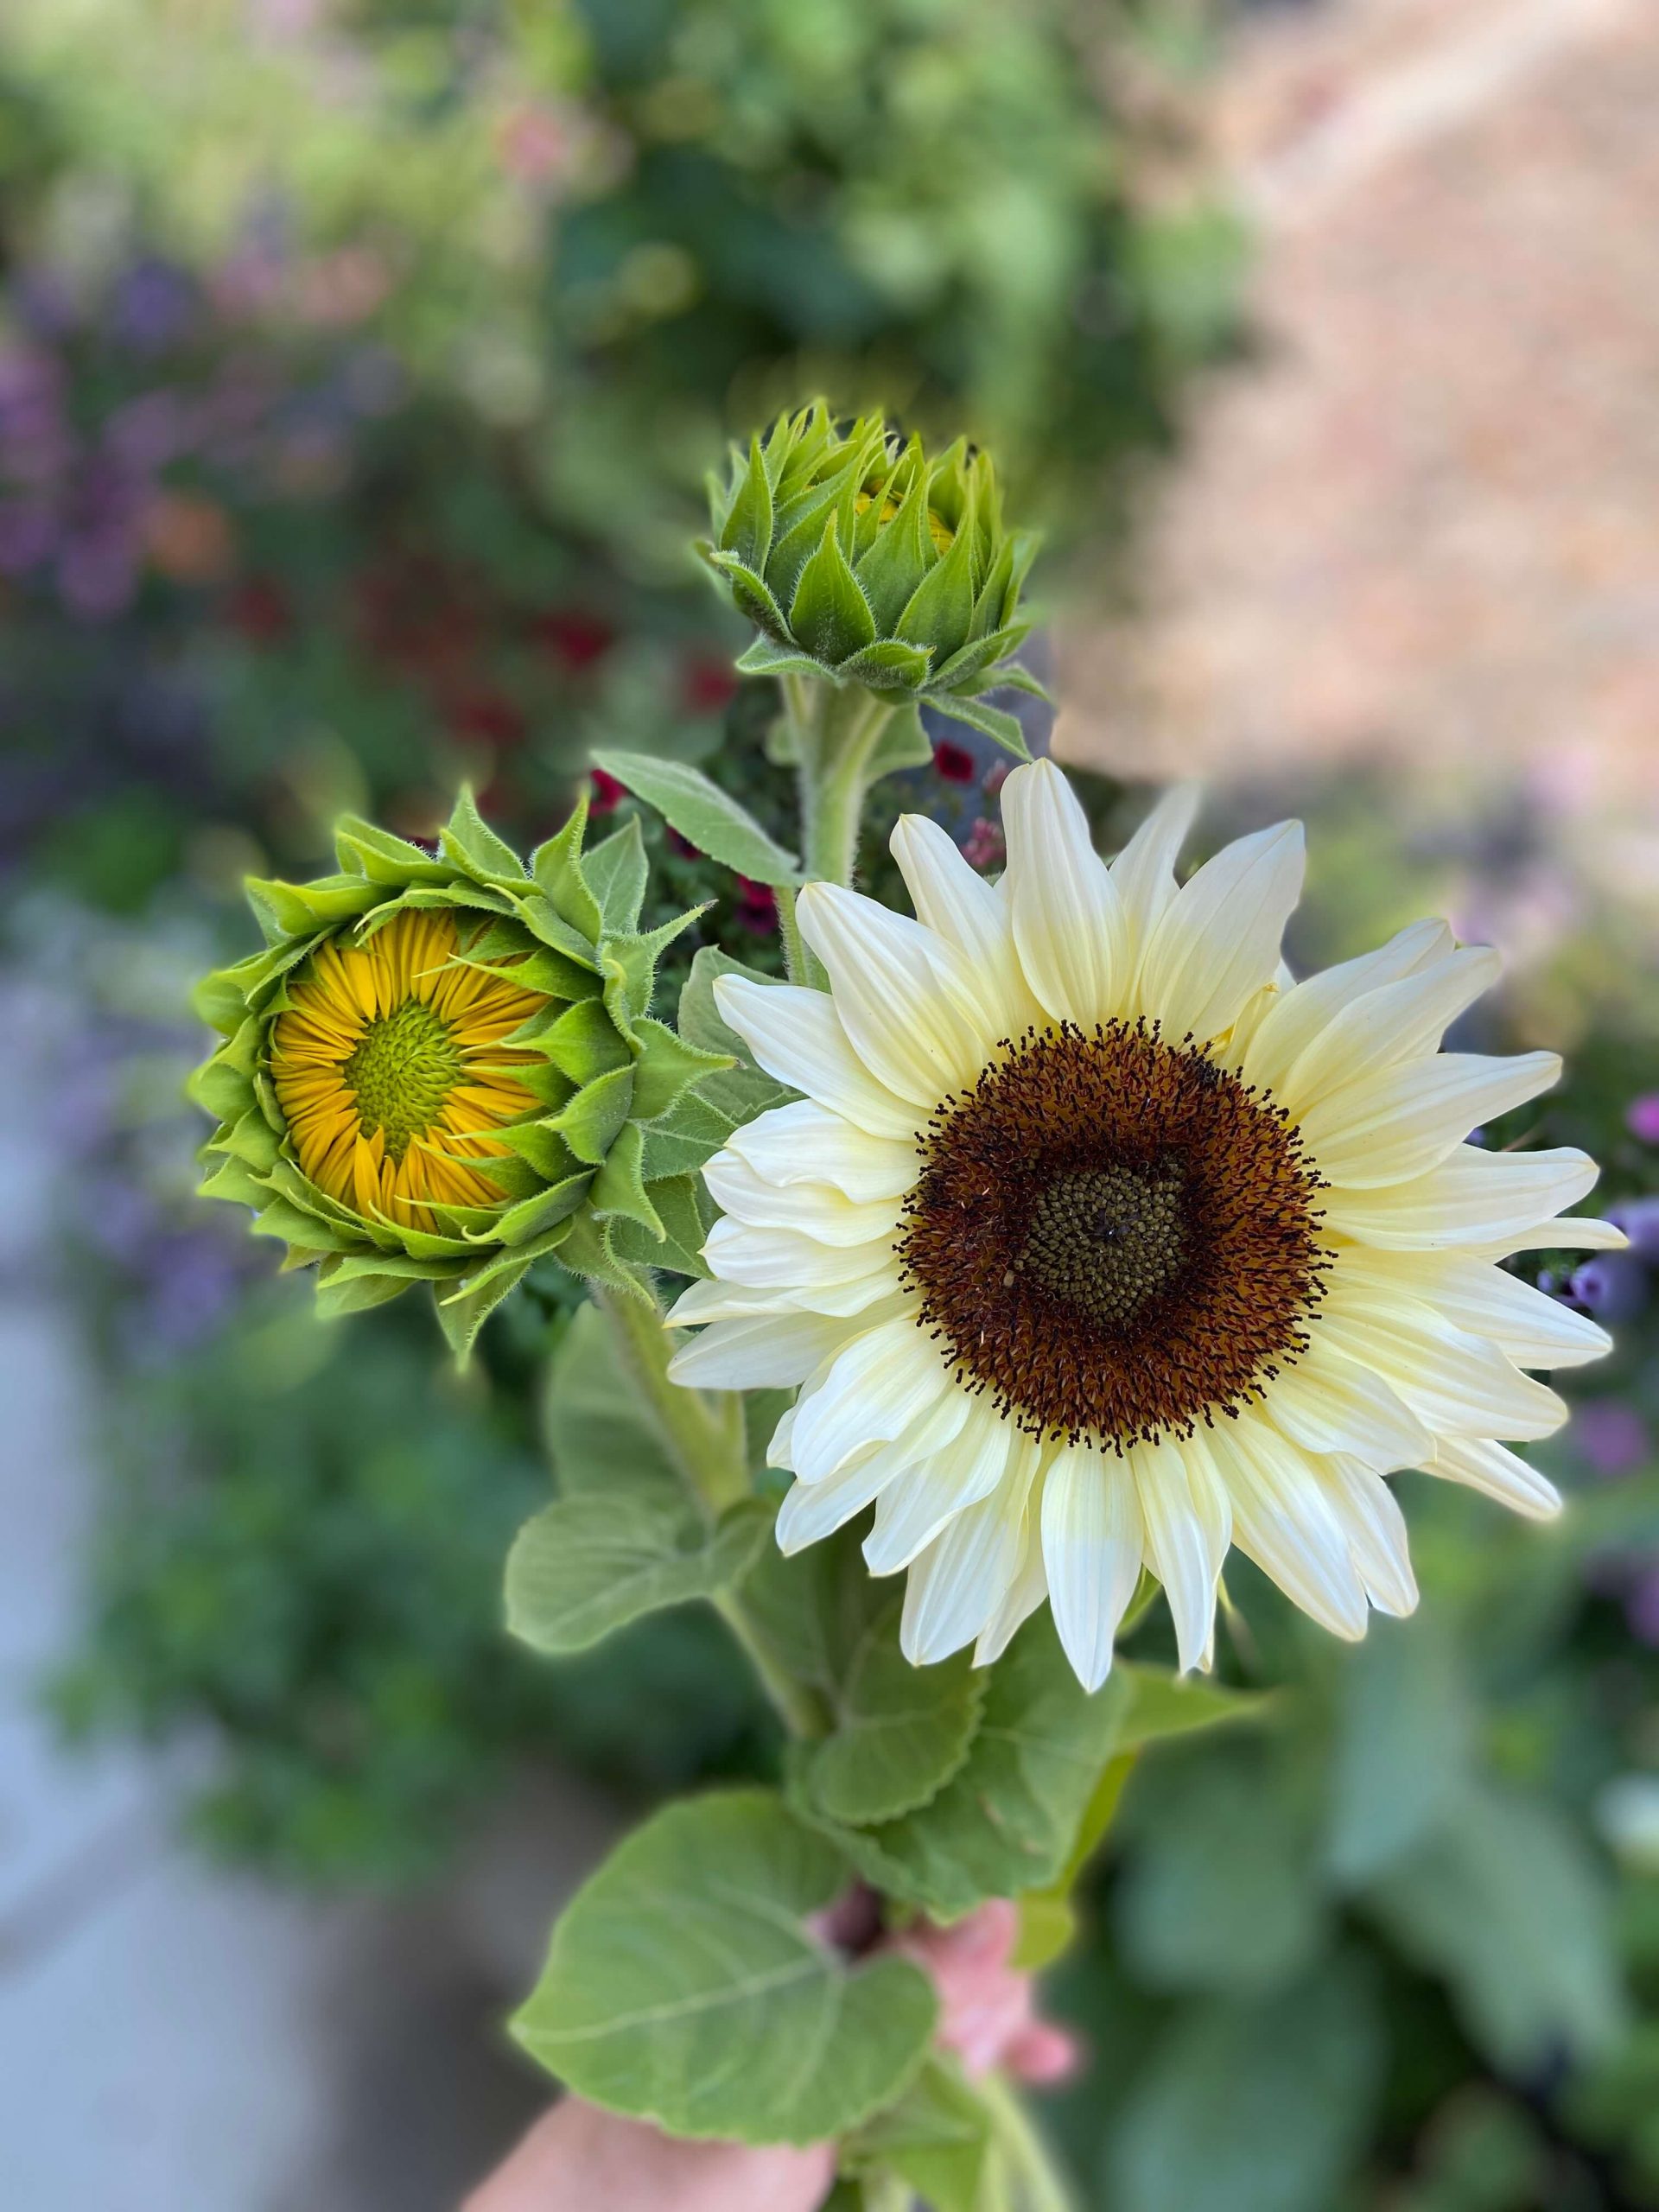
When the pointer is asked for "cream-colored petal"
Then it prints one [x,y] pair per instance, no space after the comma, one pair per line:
[1302,1013]
[1187,1515]
[1489,1199]
[1389,1127]
[1397,1022]
[882,1383]
[780,1450]
[736,1302]
[1218,941]
[1460,1385]
[1376,1527]
[1068,918]
[1144,872]
[785,1259]
[771,1351]
[1480,1464]
[908,1001]
[804,1143]
[968,914]
[817,1210]
[814,1510]
[1566,1234]
[1529,1327]
[1328,1402]
[961,1456]
[1093,1542]
[1027,1589]
[1284,1522]
[797,1036]
[961,1580]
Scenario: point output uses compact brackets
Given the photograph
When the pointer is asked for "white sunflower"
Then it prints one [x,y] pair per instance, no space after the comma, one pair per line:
[1095,1243]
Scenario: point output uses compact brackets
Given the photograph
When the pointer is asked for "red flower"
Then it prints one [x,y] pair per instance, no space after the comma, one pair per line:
[954,762]
[707,685]
[608,793]
[757,906]
[575,640]
[260,611]
[488,718]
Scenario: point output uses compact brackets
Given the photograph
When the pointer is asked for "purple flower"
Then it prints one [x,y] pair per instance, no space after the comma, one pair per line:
[153,305]
[1614,1286]
[1639,1219]
[1642,1117]
[1642,1608]
[1609,1436]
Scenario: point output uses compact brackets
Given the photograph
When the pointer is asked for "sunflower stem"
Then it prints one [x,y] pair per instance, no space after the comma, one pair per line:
[835,729]
[697,1428]
[1039,2184]
[704,1432]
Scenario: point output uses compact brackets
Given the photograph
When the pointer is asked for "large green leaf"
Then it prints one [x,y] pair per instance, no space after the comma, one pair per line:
[1005,1821]
[1505,1903]
[1252,2107]
[901,1731]
[1406,1748]
[1163,1704]
[701,811]
[598,1436]
[583,1567]
[684,1985]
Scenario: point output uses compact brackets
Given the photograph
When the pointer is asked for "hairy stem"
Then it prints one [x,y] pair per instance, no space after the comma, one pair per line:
[705,1434]
[1037,2184]
[835,730]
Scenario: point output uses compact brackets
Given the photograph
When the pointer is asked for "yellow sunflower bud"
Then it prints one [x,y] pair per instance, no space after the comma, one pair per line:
[442,1068]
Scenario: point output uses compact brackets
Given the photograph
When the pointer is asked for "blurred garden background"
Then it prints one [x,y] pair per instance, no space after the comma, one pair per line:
[359,363]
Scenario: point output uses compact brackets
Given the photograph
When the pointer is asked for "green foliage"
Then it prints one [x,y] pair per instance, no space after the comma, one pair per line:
[299,1562]
[703,814]
[685,1986]
[584,1566]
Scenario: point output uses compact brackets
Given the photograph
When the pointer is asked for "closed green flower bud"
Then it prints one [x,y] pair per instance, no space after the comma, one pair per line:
[443,1067]
[864,561]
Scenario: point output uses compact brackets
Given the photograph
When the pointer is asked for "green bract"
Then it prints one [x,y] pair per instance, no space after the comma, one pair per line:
[570,1172]
[864,561]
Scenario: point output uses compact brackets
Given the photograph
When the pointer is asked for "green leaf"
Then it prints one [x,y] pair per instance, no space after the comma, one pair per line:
[751,594]
[686,1137]
[828,614]
[701,811]
[593,1118]
[973,659]
[699,1017]
[557,865]
[1406,1749]
[747,529]
[684,1986]
[666,1064]
[468,841]
[936,2138]
[990,721]
[1005,1821]
[1253,2107]
[940,610]
[599,1437]
[887,666]
[763,657]
[901,1731]
[1191,1918]
[1048,1919]
[902,744]
[618,1188]
[464,1312]
[1162,1704]
[892,570]
[680,1248]
[1506,1905]
[617,871]
[584,1043]
[584,1566]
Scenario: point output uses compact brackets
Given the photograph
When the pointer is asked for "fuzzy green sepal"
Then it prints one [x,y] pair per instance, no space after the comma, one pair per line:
[861,560]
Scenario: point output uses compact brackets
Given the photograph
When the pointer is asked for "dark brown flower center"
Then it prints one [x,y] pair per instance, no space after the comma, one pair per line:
[1113,1236]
